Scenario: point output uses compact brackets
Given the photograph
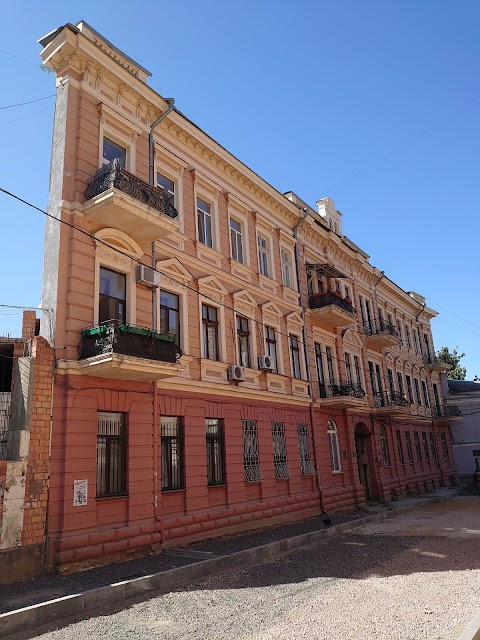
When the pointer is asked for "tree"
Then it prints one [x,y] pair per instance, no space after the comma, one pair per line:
[456,372]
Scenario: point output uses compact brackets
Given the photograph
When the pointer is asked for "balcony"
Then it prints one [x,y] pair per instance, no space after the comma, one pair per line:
[447,412]
[343,395]
[391,404]
[432,363]
[331,309]
[122,351]
[380,333]
[118,199]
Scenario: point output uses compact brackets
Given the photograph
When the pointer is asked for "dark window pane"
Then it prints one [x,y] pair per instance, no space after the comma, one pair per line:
[112,150]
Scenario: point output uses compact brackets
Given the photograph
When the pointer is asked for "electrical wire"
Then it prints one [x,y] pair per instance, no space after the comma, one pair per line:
[21,104]
[178,282]
[12,55]
[24,117]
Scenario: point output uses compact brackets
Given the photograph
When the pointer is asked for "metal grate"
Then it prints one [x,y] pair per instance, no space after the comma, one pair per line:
[111,455]
[280,450]
[304,450]
[251,464]
[5,404]
[172,453]
[215,451]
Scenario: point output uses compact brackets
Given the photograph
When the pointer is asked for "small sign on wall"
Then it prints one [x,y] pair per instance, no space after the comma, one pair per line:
[80,493]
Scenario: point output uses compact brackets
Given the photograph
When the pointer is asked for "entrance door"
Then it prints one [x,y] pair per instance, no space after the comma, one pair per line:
[363,465]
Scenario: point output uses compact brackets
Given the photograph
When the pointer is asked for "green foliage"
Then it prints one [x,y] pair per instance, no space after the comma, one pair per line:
[456,372]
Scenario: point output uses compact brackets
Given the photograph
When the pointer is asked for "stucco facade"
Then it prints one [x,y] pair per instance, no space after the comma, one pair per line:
[170,418]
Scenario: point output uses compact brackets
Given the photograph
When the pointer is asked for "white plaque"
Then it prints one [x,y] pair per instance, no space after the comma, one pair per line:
[80,492]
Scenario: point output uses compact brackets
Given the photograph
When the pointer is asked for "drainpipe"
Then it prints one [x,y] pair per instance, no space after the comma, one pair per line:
[171,105]
[307,359]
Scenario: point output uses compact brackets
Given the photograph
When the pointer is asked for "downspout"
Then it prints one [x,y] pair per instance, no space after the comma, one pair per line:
[306,356]
[171,104]
[151,180]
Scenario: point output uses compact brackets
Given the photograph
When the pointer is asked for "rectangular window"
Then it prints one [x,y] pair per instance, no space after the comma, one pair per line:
[348,367]
[399,329]
[204,220]
[286,269]
[425,446]
[112,150]
[215,441]
[373,380]
[236,240]
[347,292]
[167,186]
[417,392]
[170,314]
[409,388]
[433,447]
[407,333]
[263,266]
[427,345]
[330,371]
[111,455]
[391,384]
[409,446]
[400,448]
[243,340]
[358,375]
[210,332]
[320,373]
[436,396]
[295,357]
[443,440]
[171,438]
[271,346]
[401,388]
[426,397]
[306,466]
[417,446]
[280,450]
[113,298]
[476,459]
[251,464]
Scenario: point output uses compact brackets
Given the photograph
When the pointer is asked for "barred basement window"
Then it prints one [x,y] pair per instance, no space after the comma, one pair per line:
[251,464]
[425,446]
[409,446]
[443,441]
[417,446]
[280,450]
[400,448]
[334,445]
[111,455]
[384,443]
[215,451]
[171,437]
[306,466]
[433,447]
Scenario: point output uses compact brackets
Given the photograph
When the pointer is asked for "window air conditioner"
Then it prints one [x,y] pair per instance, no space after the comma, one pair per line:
[236,372]
[146,275]
[265,363]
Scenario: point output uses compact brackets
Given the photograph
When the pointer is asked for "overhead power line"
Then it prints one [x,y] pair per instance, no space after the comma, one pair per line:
[24,117]
[39,66]
[21,104]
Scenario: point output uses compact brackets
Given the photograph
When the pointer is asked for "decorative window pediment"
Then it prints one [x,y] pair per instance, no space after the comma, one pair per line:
[213,288]
[352,338]
[244,303]
[294,322]
[173,267]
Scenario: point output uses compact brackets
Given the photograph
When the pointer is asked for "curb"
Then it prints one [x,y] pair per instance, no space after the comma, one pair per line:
[54,611]
[472,631]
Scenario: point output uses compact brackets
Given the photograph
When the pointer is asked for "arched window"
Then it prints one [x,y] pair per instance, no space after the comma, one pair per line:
[334,445]
[384,443]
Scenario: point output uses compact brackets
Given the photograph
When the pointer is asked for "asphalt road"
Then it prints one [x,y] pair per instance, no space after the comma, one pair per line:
[416,577]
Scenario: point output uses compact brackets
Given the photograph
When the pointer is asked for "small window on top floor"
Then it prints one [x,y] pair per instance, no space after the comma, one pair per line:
[112,150]
[167,186]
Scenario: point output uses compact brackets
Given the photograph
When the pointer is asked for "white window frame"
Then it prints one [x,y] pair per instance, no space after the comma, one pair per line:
[334,442]
[267,252]
[240,238]
[292,275]
[123,138]
[301,355]
[222,342]
[179,291]
[252,343]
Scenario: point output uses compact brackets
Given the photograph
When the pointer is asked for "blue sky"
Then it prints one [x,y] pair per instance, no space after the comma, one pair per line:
[307,94]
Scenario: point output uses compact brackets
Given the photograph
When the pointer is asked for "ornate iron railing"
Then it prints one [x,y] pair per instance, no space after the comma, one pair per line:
[380,327]
[448,411]
[320,300]
[432,359]
[342,388]
[113,176]
[128,340]
[388,399]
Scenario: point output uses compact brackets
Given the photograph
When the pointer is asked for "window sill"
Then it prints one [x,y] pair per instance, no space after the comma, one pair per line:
[337,473]
[122,496]
[179,490]
[216,486]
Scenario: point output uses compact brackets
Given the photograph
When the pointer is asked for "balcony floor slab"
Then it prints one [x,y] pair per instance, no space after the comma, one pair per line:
[121,367]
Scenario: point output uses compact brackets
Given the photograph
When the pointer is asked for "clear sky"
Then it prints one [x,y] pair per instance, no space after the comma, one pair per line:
[308,94]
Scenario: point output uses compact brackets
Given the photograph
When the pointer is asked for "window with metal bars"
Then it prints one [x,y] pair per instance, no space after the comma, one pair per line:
[417,446]
[171,438]
[400,448]
[443,440]
[425,446]
[215,439]
[385,449]
[332,432]
[280,450]
[433,447]
[306,466]
[111,454]
[408,440]
[251,463]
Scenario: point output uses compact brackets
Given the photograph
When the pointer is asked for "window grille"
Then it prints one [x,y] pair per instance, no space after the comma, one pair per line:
[334,445]
[400,448]
[384,443]
[306,466]
[425,446]
[172,453]
[409,446]
[433,447]
[443,441]
[417,446]
[251,463]
[280,450]
[215,451]
[111,455]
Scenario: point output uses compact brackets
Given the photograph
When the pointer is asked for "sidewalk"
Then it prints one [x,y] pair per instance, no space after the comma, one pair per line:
[55,597]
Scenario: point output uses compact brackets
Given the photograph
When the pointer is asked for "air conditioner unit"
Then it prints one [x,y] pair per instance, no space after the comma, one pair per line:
[146,275]
[236,372]
[266,363]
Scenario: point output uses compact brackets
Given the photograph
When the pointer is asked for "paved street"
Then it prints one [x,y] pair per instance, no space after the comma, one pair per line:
[417,576]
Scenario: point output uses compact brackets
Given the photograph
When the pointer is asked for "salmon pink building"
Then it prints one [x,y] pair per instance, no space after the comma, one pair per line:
[226,358]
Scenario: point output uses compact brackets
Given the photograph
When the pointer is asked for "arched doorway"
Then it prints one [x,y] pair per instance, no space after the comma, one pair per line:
[364,459]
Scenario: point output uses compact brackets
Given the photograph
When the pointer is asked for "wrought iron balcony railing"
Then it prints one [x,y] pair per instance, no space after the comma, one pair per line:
[448,411]
[113,176]
[342,388]
[432,359]
[128,340]
[320,300]
[388,399]
[380,327]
